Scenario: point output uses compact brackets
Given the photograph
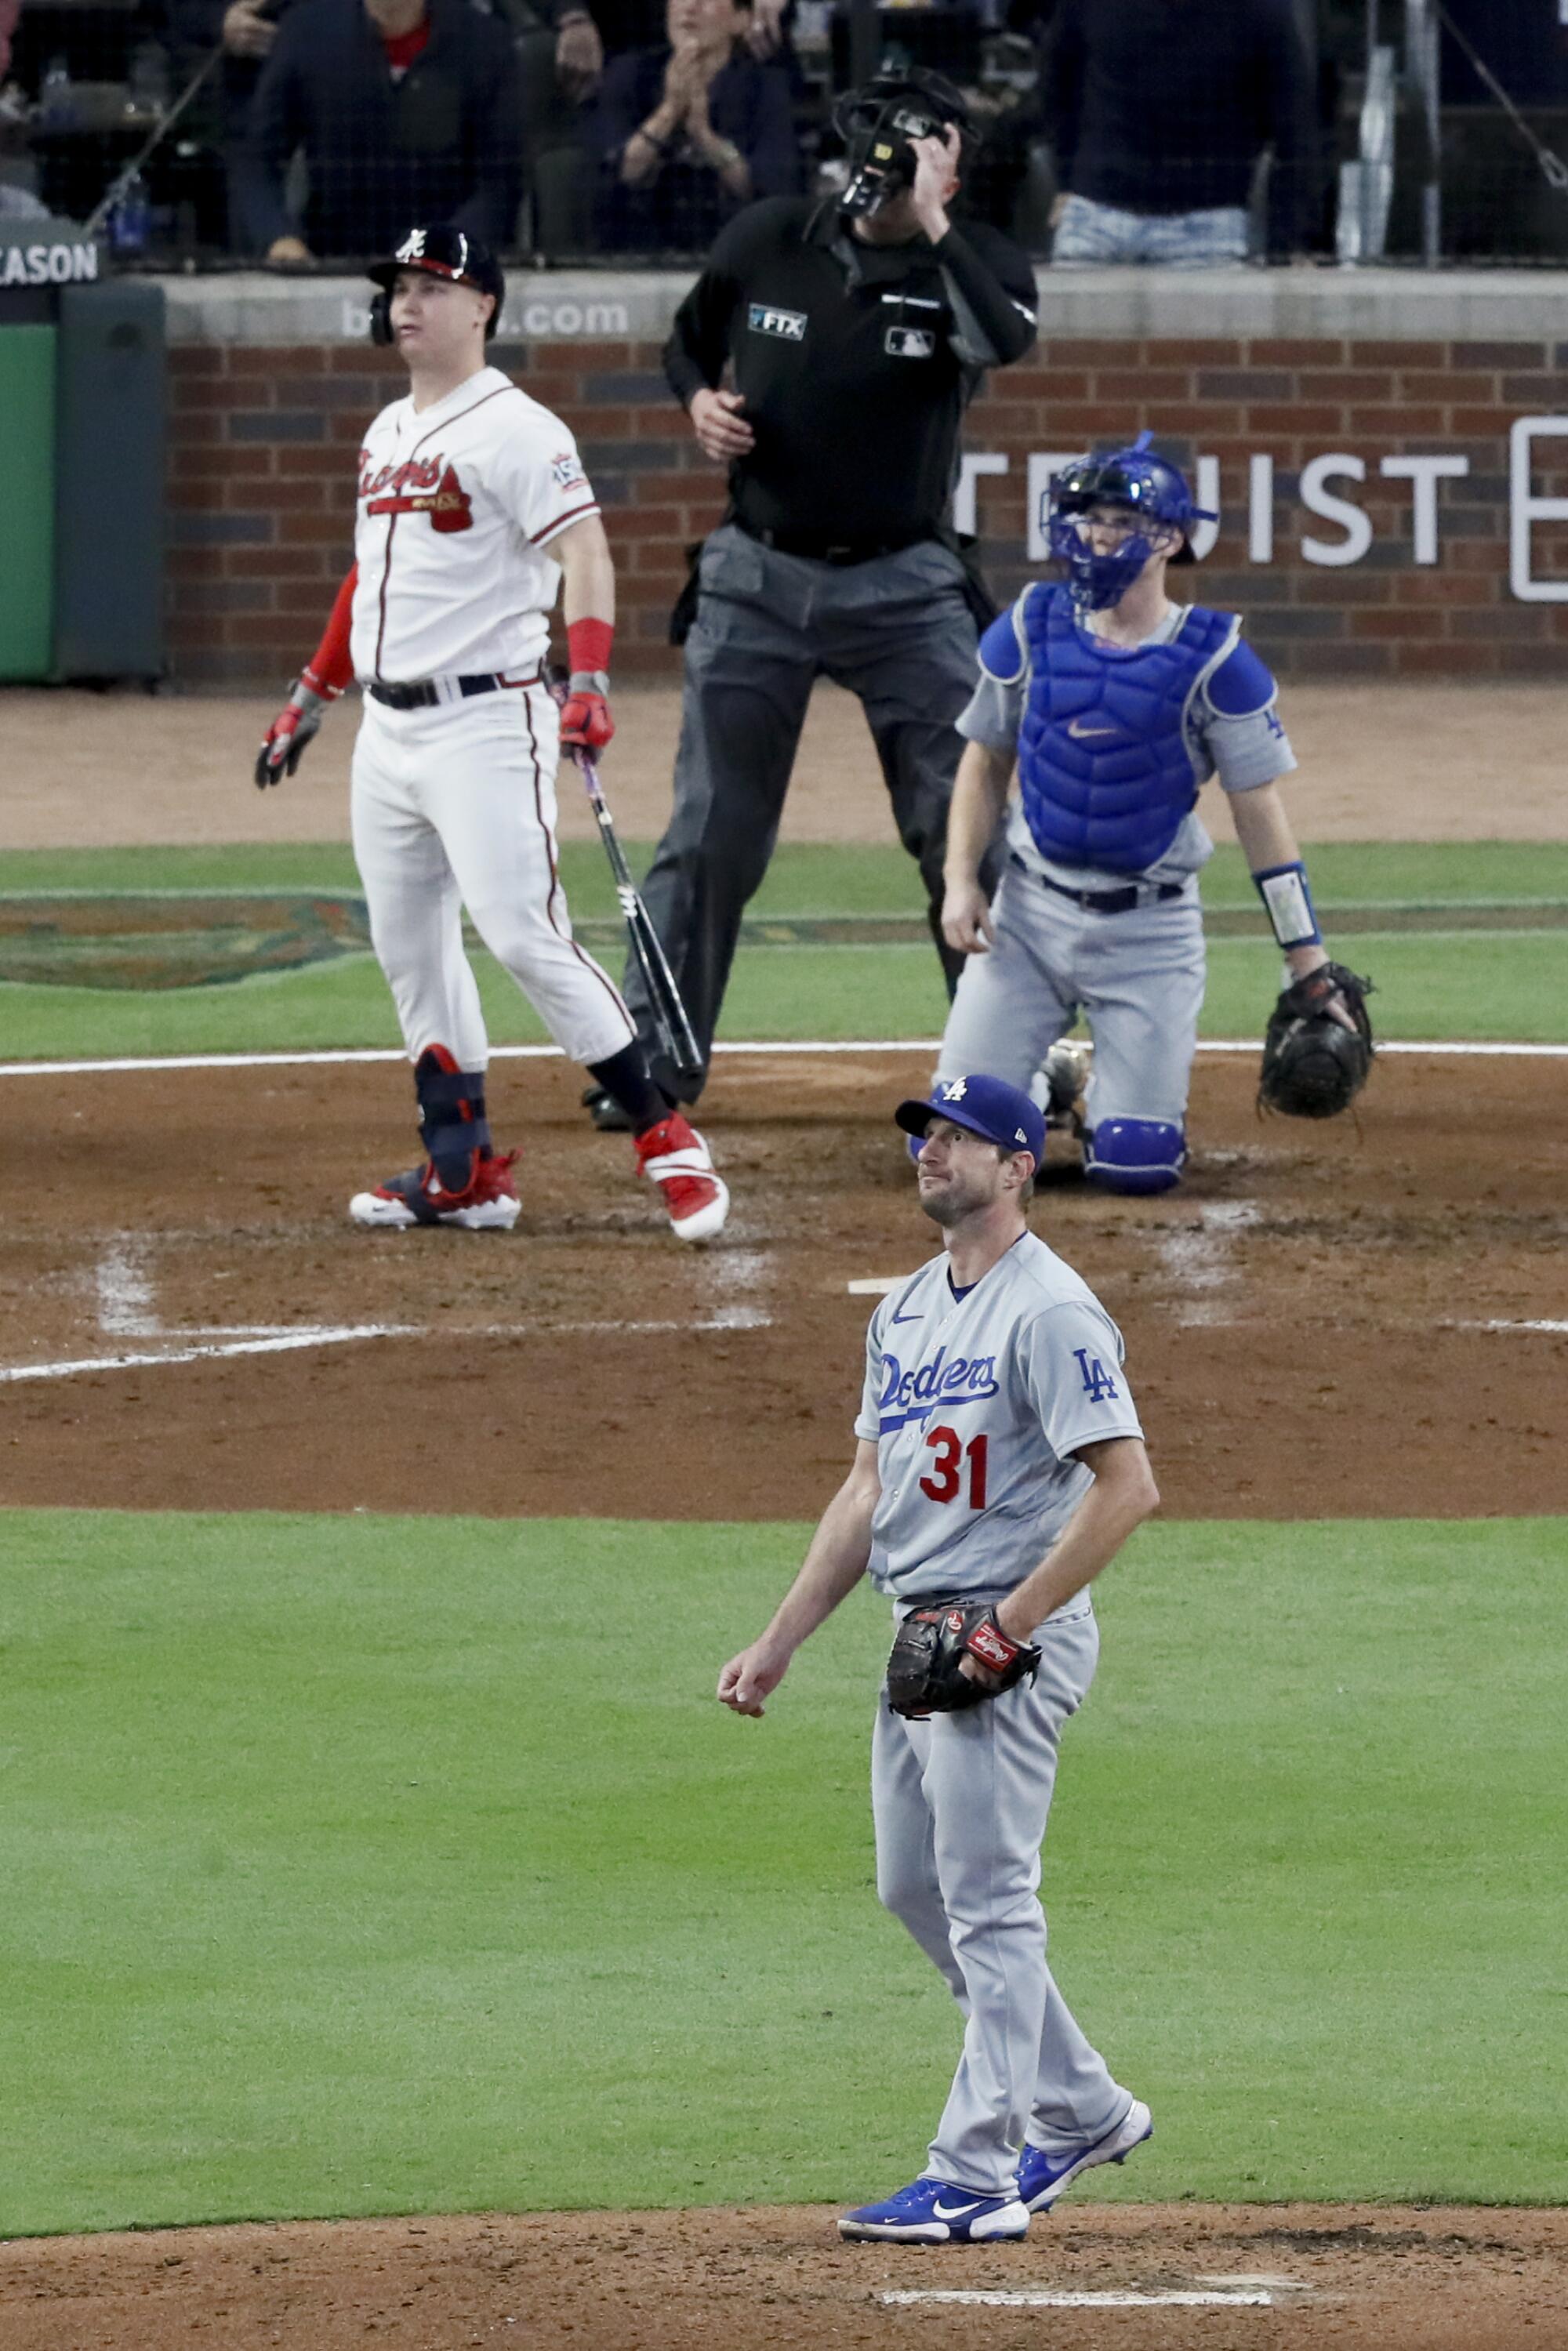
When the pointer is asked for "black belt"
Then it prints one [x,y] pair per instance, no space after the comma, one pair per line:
[424,692]
[1107,902]
[818,548]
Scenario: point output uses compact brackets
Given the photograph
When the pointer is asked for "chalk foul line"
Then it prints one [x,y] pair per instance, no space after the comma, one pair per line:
[819,1049]
[326,1334]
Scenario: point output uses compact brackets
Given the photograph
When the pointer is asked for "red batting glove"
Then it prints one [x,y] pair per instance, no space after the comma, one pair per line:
[284,744]
[585,721]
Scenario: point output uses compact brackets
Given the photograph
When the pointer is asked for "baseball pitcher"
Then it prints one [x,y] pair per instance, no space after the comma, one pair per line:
[999,1467]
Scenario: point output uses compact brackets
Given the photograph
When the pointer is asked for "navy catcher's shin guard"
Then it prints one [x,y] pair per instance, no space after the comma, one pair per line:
[451,1117]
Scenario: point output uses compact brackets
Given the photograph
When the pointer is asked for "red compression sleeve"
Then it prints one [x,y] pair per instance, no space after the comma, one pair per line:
[588,646]
[329,669]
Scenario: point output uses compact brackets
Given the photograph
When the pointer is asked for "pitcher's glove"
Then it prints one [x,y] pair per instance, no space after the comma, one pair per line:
[1314,1067]
[923,1676]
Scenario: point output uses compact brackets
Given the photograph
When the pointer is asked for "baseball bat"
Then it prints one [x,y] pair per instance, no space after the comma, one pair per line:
[672,1024]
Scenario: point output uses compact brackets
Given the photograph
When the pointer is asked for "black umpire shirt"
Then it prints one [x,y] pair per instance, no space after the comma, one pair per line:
[856,362]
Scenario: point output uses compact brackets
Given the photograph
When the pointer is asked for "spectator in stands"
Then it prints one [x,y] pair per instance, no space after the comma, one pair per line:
[691,130]
[218,120]
[587,39]
[1158,112]
[405,110]
[18,202]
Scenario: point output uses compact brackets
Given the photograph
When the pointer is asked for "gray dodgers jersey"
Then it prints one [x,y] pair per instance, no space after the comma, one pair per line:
[975,1406]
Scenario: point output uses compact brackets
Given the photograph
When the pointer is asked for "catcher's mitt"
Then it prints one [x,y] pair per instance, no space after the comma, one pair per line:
[923,1676]
[1314,1067]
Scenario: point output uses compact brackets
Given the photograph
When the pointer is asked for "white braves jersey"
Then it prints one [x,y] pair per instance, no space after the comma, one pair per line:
[456,504]
[976,1406]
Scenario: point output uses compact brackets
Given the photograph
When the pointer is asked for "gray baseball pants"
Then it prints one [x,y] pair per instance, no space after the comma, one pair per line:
[1138,977]
[895,631]
[960,1804]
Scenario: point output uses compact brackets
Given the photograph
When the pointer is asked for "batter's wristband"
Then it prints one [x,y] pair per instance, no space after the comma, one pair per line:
[1288,902]
[587,644]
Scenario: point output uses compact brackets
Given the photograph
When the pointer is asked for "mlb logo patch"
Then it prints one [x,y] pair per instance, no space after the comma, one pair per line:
[911,343]
[789,326]
[567,468]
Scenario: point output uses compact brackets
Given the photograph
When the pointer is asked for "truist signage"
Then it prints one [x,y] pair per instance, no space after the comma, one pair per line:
[1328,491]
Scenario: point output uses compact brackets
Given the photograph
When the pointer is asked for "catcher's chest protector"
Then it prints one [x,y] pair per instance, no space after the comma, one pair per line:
[1105,773]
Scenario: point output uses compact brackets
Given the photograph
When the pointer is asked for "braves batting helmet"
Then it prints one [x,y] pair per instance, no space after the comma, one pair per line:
[1149,487]
[441,251]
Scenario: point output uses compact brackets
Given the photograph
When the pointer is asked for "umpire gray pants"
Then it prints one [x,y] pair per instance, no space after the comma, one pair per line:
[897,632]
[960,1802]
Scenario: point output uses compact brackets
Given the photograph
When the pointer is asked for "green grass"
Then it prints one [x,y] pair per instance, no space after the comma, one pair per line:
[321,1898]
[1439,983]
[822,879]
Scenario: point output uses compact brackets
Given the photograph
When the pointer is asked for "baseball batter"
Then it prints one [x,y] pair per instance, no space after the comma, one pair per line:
[1115,703]
[999,1467]
[473,507]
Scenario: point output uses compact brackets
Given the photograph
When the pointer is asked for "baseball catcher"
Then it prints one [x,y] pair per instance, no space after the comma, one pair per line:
[1112,700]
[1318,1048]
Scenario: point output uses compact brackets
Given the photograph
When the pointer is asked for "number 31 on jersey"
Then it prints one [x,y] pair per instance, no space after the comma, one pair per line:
[946,1476]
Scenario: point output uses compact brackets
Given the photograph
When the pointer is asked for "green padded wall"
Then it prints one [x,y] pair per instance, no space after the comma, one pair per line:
[28,536]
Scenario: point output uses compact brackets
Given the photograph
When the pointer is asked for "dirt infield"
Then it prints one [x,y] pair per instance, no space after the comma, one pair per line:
[1337,1285]
[1377,763]
[1355,2278]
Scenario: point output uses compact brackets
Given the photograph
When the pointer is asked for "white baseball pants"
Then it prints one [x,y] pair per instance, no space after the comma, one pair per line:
[452,807]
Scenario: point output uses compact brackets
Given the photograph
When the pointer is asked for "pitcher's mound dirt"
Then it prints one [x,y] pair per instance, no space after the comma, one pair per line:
[1355,2278]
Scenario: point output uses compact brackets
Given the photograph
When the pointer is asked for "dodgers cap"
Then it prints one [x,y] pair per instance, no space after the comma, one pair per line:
[1003,1114]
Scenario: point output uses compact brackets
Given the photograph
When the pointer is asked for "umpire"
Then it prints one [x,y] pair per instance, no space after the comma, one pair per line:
[858,329]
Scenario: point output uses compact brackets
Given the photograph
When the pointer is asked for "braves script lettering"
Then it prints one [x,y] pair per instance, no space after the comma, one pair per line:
[419,486]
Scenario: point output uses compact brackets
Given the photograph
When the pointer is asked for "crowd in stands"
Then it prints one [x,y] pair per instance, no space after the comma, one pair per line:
[1164,130]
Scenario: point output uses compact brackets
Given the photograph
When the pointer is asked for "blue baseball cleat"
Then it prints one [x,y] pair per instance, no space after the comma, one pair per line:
[935,2213]
[1042,2178]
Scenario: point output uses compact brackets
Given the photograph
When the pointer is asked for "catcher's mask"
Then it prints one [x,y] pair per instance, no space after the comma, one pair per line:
[1149,487]
[441,251]
[879,125]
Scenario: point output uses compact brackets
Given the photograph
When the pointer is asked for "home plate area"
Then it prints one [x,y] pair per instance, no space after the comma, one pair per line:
[192,1322]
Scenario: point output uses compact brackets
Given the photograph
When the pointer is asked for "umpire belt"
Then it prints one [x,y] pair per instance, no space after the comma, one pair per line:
[1107,902]
[817,547]
[425,692]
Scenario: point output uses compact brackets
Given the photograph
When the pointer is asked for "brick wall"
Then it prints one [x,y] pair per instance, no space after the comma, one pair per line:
[262,475]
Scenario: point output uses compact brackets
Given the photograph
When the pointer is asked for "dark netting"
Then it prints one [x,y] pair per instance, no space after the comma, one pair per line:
[310,132]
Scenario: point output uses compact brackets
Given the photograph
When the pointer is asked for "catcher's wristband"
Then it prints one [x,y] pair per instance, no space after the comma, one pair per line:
[1288,901]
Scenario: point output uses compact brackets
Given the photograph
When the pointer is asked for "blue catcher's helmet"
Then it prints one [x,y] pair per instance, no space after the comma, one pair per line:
[1154,490]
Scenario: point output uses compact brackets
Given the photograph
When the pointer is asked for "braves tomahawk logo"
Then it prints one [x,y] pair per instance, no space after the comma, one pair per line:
[420,486]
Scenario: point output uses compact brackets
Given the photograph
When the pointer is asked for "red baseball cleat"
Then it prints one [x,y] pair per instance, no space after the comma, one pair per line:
[490,1203]
[674,1156]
